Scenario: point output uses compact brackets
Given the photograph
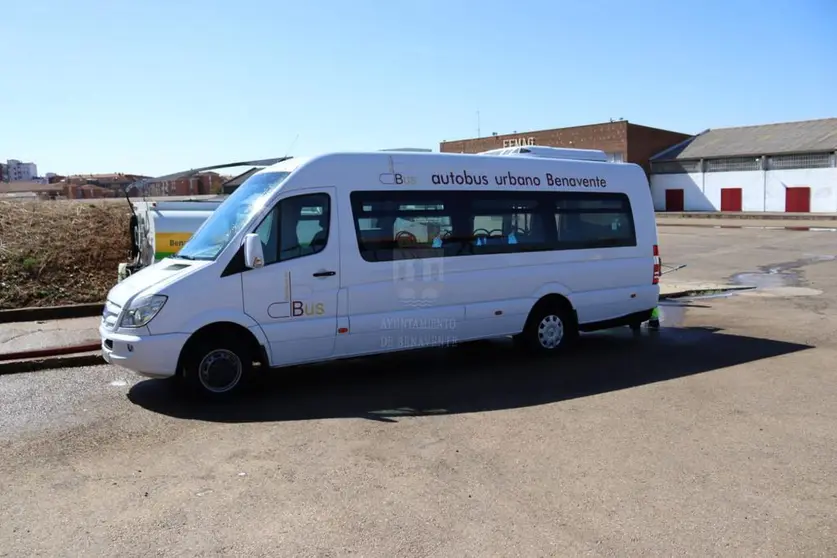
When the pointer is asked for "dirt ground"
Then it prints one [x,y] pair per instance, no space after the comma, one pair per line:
[60,252]
[713,437]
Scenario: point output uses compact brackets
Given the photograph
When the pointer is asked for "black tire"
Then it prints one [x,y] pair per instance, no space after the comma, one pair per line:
[217,367]
[549,330]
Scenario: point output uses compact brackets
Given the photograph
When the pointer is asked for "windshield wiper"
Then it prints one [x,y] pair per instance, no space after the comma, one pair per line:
[181,257]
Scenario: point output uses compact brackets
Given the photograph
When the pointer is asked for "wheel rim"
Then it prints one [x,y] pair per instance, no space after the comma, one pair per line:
[550,331]
[220,371]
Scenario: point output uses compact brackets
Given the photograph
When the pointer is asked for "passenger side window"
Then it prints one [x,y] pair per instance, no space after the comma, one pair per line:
[595,223]
[395,229]
[419,231]
[396,225]
[506,224]
[296,227]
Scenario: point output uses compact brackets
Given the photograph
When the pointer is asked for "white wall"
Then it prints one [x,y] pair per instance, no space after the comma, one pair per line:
[761,190]
[692,186]
[750,182]
[823,184]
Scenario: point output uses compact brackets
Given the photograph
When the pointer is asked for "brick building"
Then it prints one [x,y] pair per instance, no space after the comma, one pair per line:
[186,184]
[113,181]
[74,191]
[85,186]
[623,141]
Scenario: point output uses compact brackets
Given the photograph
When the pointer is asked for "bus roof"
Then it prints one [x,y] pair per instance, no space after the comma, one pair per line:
[583,170]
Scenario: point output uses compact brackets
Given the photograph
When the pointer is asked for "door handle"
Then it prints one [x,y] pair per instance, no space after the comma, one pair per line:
[325,273]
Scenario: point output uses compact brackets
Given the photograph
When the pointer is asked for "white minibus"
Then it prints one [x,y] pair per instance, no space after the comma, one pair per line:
[351,254]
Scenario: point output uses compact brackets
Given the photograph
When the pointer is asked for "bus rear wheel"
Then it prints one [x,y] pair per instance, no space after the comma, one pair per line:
[549,330]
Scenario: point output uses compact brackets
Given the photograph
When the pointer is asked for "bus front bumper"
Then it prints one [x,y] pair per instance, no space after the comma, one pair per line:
[154,356]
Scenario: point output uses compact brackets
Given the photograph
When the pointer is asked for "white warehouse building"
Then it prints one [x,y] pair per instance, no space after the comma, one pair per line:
[789,167]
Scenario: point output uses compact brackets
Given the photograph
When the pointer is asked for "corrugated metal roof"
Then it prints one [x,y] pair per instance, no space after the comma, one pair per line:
[770,139]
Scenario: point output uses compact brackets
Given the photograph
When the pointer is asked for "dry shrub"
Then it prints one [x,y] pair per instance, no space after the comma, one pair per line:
[60,252]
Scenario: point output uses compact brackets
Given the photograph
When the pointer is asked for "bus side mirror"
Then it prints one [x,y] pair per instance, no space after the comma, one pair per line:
[253,253]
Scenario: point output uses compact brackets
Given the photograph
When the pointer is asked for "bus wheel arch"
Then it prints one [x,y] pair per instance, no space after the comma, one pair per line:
[551,325]
[217,360]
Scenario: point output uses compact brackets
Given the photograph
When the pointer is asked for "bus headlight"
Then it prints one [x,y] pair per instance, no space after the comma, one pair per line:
[142,310]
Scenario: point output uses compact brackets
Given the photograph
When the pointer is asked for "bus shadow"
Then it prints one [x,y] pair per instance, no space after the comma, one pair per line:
[473,377]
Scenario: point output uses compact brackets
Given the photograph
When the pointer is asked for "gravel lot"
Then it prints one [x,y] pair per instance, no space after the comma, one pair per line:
[713,437]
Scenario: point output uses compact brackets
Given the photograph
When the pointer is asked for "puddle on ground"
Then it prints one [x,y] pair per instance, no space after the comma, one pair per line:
[783,279]
[766,280]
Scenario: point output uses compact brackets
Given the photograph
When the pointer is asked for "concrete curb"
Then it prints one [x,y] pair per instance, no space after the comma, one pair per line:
[754,216]
[37,365]
[46,313]
[51,352]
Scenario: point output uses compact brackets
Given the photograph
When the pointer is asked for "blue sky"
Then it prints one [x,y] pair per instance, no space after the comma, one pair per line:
[158,86]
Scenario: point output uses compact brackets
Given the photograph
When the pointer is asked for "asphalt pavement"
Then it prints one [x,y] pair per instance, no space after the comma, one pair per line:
[713,437]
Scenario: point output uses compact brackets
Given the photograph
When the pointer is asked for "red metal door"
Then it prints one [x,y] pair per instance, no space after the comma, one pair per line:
[798,199]
[731,199]
[674,200]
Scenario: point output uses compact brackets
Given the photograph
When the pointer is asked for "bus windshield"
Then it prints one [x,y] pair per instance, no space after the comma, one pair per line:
[216,232]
